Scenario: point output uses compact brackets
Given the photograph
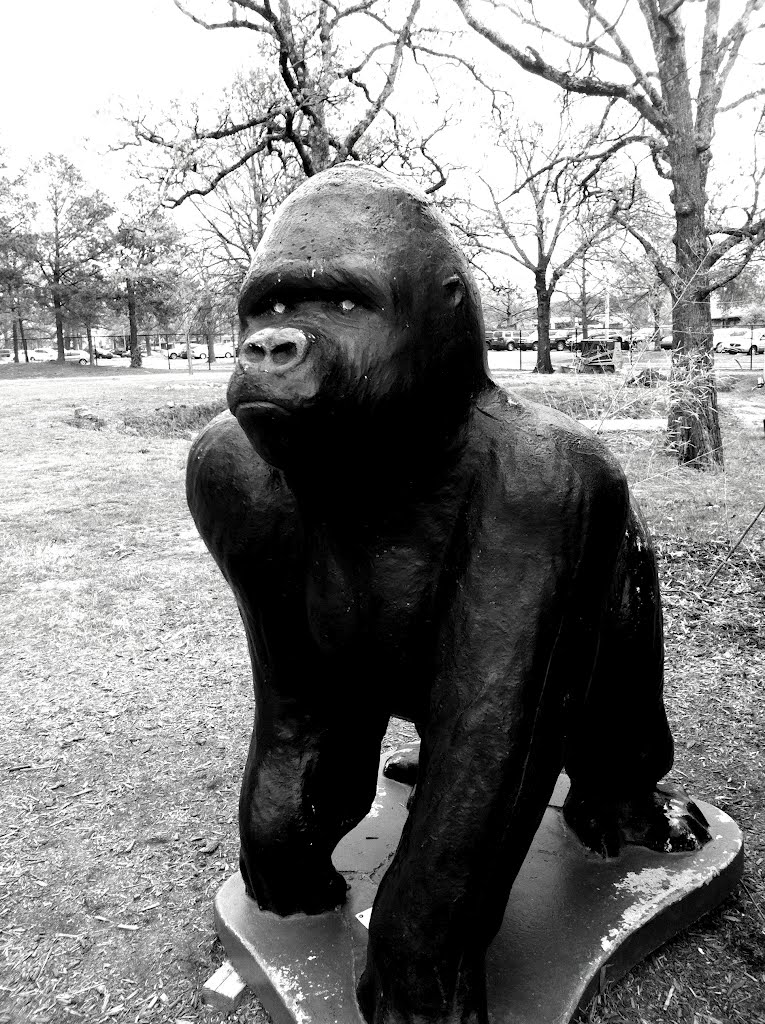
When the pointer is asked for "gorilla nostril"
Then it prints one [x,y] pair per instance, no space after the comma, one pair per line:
[256,353]
[286,352]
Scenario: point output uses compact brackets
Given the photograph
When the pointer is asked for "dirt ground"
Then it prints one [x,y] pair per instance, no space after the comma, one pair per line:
[127,707]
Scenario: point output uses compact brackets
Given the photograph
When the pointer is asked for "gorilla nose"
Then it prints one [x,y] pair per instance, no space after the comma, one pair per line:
[275,350]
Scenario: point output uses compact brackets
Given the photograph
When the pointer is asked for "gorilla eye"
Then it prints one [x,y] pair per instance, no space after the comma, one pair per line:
[347,305]
[278,307]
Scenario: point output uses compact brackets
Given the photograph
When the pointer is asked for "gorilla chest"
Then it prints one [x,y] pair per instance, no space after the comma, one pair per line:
[375,595]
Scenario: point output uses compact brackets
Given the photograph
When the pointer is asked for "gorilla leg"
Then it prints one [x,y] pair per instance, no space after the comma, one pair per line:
[310,778]
[485,777]
[620,744]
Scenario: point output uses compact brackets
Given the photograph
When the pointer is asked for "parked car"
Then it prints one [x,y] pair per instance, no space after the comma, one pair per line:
[651,337]
[198,351]
[76,355]
[722,336]
[741,341]
[559,339]
[102,353]
[225,348]
[500,340]
[530,340]
[5,355]
[42,355]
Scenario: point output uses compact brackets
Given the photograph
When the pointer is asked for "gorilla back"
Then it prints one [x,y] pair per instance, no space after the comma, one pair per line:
[404,539]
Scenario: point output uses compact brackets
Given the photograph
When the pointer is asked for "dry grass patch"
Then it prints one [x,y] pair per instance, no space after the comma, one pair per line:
[127,706]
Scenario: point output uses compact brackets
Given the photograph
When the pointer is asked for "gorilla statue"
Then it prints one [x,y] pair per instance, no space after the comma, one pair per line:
[406,539]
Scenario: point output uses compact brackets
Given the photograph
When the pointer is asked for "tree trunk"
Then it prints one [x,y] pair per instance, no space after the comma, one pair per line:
[58,313]
[135,350]
[210,348]
[544,363]
[89,335]
[583,300]
[189,359]
[655,308]
[694,425]
[23,338]
[15,340]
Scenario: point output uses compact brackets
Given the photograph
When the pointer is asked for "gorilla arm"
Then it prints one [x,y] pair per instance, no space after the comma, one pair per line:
[519,647]
[297,797]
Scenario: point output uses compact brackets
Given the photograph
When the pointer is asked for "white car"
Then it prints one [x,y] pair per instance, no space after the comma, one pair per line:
[734,339]
[77,355]
[225,348]
[745,345]
[198,351]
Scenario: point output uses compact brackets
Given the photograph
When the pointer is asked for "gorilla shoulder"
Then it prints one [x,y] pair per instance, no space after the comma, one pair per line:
[561,462]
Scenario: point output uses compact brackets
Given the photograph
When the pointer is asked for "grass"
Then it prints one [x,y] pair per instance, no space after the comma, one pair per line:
[127,700]
[173,420]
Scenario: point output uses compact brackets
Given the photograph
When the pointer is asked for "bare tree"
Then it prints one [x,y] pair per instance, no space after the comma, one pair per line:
[680,101]
[230,220]
[17,252]
[146,265]
[547,221]
[73,235]
[643,271]
[331,69]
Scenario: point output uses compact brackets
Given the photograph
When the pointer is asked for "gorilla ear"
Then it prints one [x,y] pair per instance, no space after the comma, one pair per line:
[455,289]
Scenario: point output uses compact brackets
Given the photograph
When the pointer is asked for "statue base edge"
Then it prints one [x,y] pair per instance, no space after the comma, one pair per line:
[573,923]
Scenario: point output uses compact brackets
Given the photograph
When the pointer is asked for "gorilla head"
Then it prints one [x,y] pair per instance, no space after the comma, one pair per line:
[358,314]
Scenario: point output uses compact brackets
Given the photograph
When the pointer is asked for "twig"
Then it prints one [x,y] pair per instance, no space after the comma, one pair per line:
[757,906]
[47,955]
[734,548]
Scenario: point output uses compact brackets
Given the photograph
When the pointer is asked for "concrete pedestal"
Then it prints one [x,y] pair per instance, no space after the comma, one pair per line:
[574,922]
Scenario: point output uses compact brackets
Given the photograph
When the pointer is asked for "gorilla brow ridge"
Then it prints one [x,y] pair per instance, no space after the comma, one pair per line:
[301,281]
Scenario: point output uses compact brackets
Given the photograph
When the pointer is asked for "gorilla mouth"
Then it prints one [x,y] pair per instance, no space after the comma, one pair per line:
[259,406]
[258,409]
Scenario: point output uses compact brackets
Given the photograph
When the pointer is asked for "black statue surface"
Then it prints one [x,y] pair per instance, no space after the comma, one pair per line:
[404,539]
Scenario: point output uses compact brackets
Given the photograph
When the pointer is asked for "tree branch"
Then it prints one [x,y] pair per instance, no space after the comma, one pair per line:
[232,23]
[390,80]
[587,85]
[663,271]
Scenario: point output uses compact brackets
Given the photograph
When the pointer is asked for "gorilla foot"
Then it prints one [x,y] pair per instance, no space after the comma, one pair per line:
[403,765]
[664,819]
[295,889]
[412,999]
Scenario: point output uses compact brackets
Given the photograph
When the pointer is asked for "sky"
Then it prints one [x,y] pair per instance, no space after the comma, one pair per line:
[65,64]
[68,65]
